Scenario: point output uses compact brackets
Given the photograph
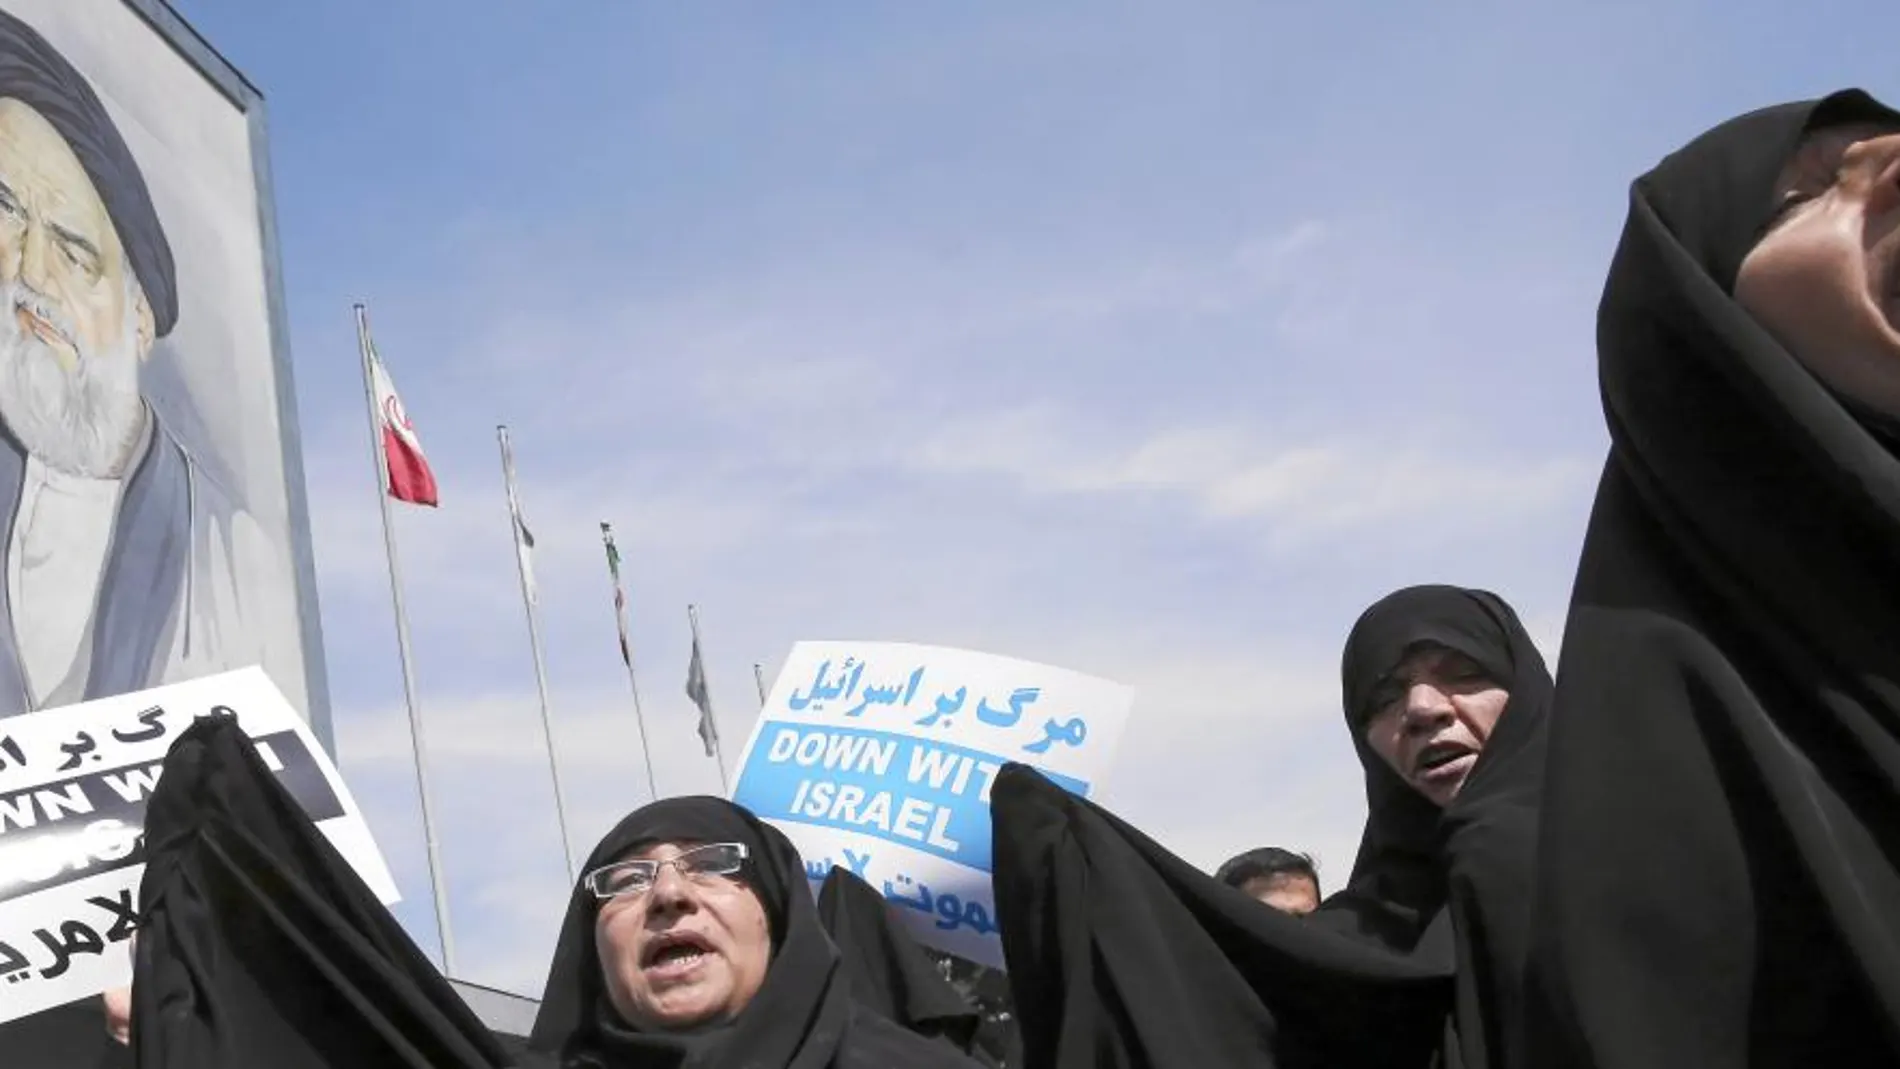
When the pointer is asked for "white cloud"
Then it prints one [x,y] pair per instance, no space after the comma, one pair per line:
[1300,490]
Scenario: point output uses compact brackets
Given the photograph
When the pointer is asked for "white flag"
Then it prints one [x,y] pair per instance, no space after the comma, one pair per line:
[524,538]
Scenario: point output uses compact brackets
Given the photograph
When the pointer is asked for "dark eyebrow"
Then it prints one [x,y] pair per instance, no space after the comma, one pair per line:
[72,238]
[1810,172]
[1386,691]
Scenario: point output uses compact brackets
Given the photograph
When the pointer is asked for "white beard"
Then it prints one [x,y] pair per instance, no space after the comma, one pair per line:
[85,421]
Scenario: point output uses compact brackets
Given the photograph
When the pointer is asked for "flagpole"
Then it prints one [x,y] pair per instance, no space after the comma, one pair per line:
[626,652]
[719,750]
[517,525]
[758,676]
[417,747]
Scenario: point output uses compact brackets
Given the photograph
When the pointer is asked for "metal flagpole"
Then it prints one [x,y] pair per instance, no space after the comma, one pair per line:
[719,750]
[439,884]
[758,676]
[626,650]
[524,541]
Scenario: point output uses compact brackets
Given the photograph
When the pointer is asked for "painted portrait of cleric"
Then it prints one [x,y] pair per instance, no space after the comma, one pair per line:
[120,551]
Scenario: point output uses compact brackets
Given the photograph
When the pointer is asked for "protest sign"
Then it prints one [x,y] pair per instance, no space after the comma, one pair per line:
[878,757]
[73,787]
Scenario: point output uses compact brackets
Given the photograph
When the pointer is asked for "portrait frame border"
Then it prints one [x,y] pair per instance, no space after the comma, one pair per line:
[229,81]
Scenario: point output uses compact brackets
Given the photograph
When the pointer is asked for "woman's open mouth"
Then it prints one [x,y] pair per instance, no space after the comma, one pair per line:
[1442,762]
[673,955]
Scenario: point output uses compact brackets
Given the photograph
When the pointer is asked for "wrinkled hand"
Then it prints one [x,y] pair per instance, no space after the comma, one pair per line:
[118,1002]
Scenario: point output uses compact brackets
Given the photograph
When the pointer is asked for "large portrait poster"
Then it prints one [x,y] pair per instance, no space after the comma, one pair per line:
[152,522]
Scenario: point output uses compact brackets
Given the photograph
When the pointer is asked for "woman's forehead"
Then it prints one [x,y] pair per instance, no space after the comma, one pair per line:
[1424,657]
[661,851]
[1817,159]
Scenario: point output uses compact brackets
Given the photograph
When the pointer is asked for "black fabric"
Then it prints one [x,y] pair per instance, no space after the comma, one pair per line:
[73,1036]
[115,1055]
[33,72]
[258,944]
[1718,883]
[803,1016]
[520,1052]
[1123,954]
[889,971]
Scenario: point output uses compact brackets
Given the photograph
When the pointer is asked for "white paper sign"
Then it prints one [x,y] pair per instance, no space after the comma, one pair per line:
[878,757]
[73,787]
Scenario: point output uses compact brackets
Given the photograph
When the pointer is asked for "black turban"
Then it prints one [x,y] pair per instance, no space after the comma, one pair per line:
[34,73]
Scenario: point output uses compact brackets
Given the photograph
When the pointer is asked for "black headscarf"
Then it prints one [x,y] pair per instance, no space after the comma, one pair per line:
[889,971]
[1476,856]
[259,945]
[1720,877]
[33,72]
[803,1016]
[1123,954]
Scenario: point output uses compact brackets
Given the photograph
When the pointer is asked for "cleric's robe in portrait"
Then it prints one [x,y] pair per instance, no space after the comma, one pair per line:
[116,585]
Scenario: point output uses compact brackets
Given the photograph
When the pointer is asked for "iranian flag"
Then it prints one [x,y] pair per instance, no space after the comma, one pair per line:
[408,470]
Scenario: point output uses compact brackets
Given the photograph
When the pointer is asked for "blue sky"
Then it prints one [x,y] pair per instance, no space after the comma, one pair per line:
[1151,340]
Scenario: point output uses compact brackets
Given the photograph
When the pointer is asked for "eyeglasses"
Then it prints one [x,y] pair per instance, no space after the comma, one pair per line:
[702,864]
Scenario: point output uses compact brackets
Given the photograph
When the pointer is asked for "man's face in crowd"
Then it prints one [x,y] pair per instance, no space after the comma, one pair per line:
[1289,893]
[73,321]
